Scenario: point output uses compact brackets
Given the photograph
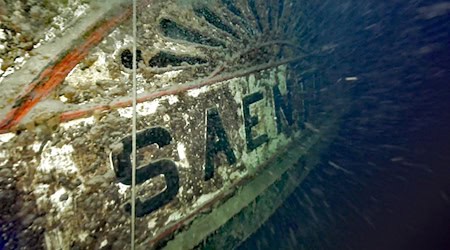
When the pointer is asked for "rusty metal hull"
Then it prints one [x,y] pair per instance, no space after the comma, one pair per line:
[224,116]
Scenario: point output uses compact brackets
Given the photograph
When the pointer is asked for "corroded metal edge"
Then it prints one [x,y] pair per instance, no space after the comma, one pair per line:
[53,61]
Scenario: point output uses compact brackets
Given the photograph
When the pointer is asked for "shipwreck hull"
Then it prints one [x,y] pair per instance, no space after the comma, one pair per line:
[232,113]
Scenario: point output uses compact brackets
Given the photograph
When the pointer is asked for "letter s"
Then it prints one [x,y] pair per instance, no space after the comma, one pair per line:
[122,166]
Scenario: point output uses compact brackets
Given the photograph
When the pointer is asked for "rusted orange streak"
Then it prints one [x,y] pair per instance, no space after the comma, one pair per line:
[174,90]
[51,77]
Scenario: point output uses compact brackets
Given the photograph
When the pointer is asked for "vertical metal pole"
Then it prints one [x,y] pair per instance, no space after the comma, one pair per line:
[133,147]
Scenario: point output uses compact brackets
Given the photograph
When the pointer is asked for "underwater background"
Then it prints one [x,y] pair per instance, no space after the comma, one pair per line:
[384,183]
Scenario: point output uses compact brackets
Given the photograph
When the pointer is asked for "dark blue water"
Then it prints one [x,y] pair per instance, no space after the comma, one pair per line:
[394,144]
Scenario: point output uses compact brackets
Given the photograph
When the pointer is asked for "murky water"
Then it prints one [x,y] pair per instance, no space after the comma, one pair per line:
[391,190]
